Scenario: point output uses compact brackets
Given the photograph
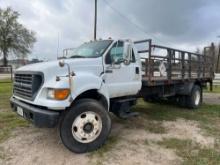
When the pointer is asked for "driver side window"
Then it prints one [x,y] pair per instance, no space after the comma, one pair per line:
[115,53]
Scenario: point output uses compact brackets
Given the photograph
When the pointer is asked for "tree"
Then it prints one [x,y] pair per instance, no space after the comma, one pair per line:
[198,51]
[14,37]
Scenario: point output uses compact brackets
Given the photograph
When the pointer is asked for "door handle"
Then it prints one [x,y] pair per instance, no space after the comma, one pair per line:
[108,71]
[137,70]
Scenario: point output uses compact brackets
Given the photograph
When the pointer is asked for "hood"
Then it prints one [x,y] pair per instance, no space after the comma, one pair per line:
[93,65]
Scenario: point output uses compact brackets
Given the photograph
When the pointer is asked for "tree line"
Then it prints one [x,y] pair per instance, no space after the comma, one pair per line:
[213,51]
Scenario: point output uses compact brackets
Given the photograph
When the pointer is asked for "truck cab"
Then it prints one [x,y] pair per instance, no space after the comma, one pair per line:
[79,90]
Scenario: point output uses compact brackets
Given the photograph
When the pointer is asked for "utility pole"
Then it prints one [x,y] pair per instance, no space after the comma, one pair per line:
[218,58]
[95,22]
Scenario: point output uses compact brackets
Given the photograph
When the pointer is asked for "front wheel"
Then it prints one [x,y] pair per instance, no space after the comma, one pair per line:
[85,127]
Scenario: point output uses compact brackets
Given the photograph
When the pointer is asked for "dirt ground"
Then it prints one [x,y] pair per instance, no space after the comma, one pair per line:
[36,146]
[211,98]
[134,146]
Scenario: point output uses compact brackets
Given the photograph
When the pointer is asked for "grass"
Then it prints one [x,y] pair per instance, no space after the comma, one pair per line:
[110,144]
[191,152]
[149,125]
[2,154]
[5,93]
[8,80]
[8,119]
[152,116]
[150,119]
[208,116]
[146,142]
[216,89]
[155,127]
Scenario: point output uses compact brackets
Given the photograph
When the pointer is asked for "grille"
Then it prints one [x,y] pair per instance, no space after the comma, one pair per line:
[26,85]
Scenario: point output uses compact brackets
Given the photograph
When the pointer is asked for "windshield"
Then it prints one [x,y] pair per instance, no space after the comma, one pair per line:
[88,50]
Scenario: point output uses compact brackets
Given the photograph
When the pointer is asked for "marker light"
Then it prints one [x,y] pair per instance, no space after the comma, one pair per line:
[58,94]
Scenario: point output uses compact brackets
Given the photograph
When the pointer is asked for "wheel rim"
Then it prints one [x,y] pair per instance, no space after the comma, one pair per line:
[197,97]
[87,127]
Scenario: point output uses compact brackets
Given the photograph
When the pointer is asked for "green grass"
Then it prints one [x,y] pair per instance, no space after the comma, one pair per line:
[8,119]
[8,80]
[146,142]
[149,125]
[192,153]
[216,89]
[110,144]
[155,127]
[142,121]
[2,153]
[168,112]
[5,93]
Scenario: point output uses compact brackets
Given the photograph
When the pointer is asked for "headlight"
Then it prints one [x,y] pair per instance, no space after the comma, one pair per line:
[58,94]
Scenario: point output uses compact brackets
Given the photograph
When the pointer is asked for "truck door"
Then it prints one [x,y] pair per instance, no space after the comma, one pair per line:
[122,71]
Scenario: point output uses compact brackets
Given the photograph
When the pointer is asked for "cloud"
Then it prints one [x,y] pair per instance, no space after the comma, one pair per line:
[171,21]
[178,23]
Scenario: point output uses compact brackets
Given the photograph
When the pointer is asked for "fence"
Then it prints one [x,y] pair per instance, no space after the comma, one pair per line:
[6,73]
[216,81]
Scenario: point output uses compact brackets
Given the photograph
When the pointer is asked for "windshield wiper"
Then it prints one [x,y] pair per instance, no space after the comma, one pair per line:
[77,56]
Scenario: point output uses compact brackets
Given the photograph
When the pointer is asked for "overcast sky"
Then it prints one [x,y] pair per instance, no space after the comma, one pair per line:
[185,24]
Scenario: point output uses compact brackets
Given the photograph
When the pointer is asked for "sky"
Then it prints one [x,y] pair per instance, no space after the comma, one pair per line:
[184,24]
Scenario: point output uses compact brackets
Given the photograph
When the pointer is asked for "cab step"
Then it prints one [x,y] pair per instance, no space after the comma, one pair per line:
[122,108]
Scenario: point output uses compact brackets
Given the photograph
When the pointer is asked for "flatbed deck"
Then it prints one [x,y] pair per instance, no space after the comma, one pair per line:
[163,65]
[155,81]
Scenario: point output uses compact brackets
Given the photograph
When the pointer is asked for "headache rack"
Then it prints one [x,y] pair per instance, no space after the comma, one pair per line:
[162,64]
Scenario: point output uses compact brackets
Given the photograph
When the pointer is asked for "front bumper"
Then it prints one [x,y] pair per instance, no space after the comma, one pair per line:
[40,117]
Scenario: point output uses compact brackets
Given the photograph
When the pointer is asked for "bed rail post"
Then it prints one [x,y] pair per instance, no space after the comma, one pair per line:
[190,65]
[169,62]
[183,64]
[148,61]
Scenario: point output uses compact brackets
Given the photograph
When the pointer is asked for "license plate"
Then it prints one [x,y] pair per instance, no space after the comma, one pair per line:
[20,111]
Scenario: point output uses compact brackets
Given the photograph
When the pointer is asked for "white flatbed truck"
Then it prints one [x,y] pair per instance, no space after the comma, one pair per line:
[78,92]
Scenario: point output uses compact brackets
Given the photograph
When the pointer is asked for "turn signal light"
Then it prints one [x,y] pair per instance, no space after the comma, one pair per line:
[61,94]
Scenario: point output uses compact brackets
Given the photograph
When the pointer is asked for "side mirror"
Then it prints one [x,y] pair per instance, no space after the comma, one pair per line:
[121,54]
[119,61]
[126,62]
[127,54]
[61,63]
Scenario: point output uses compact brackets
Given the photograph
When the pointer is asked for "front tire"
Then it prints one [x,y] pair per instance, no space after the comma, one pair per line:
[85,127]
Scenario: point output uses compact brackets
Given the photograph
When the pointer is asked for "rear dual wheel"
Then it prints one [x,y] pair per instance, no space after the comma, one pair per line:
[85,127]
[192,101]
